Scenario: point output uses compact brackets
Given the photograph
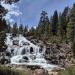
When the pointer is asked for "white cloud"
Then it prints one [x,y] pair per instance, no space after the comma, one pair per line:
[16,13]
[12,10]
[8,18]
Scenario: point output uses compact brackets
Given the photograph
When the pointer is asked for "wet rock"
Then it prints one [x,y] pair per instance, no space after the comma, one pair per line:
[40,72]
[4,59]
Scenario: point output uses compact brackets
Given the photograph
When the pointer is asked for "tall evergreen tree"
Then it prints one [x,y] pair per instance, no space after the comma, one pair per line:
[3,27]
[9,29]
[63,21]
[14,30]
[32,31]
[3,24]
[71,29]
[54,24]
[71,25]
[60,29]
[3,11]
[43,26]
[25,30]
[2,41]
[21,29]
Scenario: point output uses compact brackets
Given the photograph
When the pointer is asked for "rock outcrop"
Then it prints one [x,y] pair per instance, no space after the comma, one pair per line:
[59,54]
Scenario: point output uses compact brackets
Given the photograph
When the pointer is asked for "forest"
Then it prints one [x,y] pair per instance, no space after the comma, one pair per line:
[58,30]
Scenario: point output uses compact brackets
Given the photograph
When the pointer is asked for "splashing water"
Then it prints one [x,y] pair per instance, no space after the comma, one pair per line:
[26,53]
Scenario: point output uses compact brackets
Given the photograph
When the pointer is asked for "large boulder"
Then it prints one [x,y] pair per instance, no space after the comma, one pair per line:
[4,59]
[40,72]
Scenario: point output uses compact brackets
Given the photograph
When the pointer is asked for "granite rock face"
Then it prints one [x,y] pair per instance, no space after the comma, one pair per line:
[59,54]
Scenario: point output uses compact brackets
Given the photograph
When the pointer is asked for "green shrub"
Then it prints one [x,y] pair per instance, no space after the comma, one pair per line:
[8,71]
[68,71]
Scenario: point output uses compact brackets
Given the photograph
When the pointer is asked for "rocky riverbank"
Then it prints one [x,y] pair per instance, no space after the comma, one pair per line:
[59,54]
[55,53]
[34,70]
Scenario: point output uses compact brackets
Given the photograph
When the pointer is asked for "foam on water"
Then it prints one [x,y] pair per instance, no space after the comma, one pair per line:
[22,54]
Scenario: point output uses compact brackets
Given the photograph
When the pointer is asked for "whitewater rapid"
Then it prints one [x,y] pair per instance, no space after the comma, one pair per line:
[26,53]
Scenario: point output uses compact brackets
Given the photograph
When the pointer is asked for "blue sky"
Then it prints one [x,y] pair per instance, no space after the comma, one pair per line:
[31,9]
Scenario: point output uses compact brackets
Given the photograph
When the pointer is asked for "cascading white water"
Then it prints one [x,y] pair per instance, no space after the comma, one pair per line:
[26,53]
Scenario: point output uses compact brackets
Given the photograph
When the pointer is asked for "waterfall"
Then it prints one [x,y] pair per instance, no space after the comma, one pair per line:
[26,53]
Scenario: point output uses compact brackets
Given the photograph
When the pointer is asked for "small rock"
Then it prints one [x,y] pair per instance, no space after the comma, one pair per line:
[40,72]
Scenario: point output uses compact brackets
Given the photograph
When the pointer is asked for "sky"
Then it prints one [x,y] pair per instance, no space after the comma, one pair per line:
[31,9]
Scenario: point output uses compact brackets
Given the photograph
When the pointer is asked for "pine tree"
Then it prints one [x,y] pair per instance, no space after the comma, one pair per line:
[21,29]
[2,41]
[25,31]
[3,24]
[43,26]
[54,23]
[71,29]
[32,31]
[60,28]
[71,25]
[3,27]
[14,30]
[9,29]
[63,21]
[3,11]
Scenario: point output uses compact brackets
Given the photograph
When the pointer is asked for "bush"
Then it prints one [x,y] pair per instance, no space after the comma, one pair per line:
[8,71]
[68,71]
[56,39]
